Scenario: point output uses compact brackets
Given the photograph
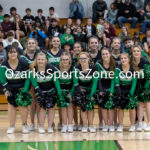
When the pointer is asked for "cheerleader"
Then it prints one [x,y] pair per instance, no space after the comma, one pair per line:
[116,49]
[77,49]
[93,49]
[55,52]
[44,83]
[85,86]
[125,84]
[14,77]
[139,64]
[66,84]
[95,55]
[29,56]
[105,67]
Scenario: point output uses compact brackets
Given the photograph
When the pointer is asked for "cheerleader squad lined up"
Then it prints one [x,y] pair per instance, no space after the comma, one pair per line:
[75,68]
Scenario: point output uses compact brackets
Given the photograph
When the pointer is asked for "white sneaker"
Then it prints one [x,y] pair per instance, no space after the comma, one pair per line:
[80,127]
[132,128]
[59,126]
[75,127]
[84,129]
[92,129]
[120,128]
[111,129]
[11,130]
[50,129]
[101,126]
[70,128]
[148,127]
[140,127]
[144,125]
[25,129]
[41,130]
[105,128]
[32,127]
[64,129]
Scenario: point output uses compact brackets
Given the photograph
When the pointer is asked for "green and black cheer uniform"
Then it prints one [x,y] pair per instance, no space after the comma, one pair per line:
[54,59]
[143,85]
[46,84]
[97,58]
[28,59]
[125,85]
[88,82]
[16,82]
[66,85]
[105,85]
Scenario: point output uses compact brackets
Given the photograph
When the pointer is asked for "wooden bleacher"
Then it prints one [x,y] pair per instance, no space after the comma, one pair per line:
[3,101]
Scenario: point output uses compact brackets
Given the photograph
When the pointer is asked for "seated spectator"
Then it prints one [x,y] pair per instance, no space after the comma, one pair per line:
[1,16]
[69,24]
[78,24]
[139,8]
[90,28]
[67,47]
[136,38]
[102,39]
[146,23]
[6,25]
[54,29]
[38,33]
[100,25]
[67,38]
[127,14]
[10,40]
[13,13]
[47,25]
[3,54]
[99,7]
[53,15]
[109,31]
[79,35]
[145,3]
[122,35]
[28,20]
[19,28]
[146,41]
[40,17]
[76,10]
[20,51]
[1,36]
[111,14]
[119,5]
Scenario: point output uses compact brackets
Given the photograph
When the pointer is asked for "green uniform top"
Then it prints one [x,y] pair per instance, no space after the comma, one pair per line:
[67,39]
[128,78]
[47,80]
[15,79]
[86,80]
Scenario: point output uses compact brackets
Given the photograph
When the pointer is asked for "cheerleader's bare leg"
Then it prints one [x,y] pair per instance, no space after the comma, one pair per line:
[120,116]
[24,114]
[63,112]
[111,117]
[70,113]
[42,117]
[148,111]
[105,116]
[132,116]
[140,111]
[90,117]
[51,115]
[11,114]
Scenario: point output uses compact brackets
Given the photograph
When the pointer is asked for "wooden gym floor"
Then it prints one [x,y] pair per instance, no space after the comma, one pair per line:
[127,140]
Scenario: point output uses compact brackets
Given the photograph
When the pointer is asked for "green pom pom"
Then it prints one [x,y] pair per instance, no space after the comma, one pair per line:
[23,98]
[109,104]
[63,100]
[90,104]
[147,71]
[133,102]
